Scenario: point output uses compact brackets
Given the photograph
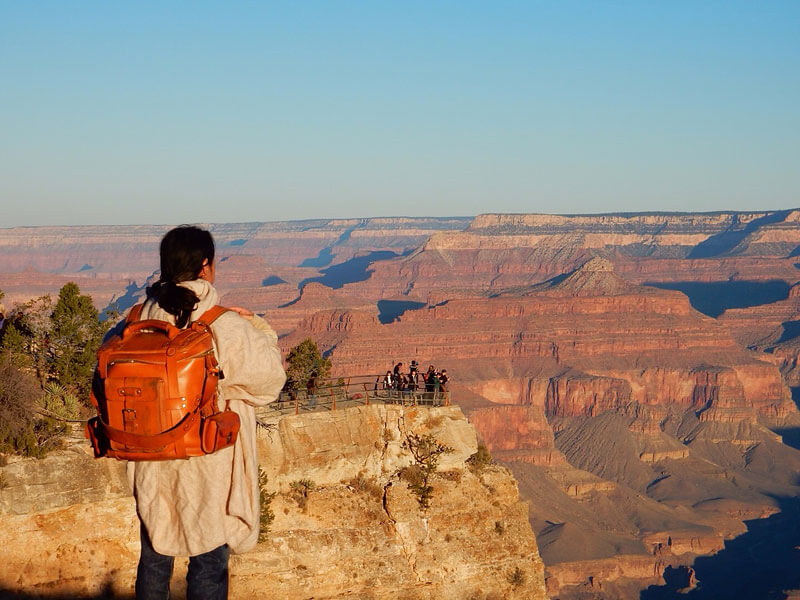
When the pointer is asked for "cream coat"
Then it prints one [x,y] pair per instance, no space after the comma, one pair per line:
[192,506]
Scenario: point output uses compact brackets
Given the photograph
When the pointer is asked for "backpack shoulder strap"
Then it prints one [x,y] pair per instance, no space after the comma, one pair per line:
[135,314]
[212,314]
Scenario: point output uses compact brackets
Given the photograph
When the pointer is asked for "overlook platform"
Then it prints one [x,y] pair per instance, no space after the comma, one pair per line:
[343,392]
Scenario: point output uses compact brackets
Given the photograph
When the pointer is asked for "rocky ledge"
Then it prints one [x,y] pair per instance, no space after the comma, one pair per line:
[70,528]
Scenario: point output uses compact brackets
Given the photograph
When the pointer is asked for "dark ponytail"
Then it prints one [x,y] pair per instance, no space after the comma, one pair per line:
[183,251]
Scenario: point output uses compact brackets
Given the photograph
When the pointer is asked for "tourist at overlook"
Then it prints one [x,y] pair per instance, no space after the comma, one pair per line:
[443,379]
[387,381]
[311,385]
[207,506]
[436,383]
[430,374]
[402,383]
[413,381]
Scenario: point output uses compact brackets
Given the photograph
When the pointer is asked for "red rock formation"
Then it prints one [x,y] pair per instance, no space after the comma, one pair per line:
[762,326]
[626,415]
[321,309]
[291,243]
[91,255]
[496,252]
[585,395]
[25,285]
[504,251]
[517,433]
[584,345]
[735,268]
[590,573]
[595,352]
[772,328]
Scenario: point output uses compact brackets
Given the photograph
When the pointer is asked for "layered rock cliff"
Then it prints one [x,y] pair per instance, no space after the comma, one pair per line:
[69,524]
[502,251]
[696,235]
[640,426]
[421,258]
[631,420]
[589,341]
[128,255]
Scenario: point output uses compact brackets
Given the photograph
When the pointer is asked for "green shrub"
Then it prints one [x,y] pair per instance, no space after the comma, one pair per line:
[74,336]
[22,431]
[360,483]
[517,577]
[300,491]
[451,475]
[60,402]
[267,516]
[412,475]
[34,439]
[426,450]
[480,459]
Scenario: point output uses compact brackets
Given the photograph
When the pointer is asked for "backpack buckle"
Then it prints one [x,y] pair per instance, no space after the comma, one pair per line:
[129,419]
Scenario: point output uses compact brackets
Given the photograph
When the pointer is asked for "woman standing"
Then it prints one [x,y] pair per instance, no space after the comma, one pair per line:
[207,506]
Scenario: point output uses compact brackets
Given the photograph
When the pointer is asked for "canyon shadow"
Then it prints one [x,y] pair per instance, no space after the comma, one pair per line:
[761,563]
[715,297]
[351,271]
[391,310]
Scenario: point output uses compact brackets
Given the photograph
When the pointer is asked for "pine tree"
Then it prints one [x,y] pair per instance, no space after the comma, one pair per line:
[303,360]
[14,345]
[75,335]
[26,336]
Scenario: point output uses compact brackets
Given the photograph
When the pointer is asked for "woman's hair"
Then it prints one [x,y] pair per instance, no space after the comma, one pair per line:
[183,251]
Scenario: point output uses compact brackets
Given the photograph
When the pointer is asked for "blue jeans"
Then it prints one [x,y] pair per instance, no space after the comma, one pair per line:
[207,578]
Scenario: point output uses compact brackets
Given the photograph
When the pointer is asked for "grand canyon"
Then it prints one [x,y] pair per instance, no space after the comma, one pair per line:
[636,373]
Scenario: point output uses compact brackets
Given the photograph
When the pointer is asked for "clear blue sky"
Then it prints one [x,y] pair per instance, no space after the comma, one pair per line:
[165,112]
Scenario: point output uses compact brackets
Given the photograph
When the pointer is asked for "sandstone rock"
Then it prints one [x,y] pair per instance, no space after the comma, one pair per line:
[641,568]
[361,533]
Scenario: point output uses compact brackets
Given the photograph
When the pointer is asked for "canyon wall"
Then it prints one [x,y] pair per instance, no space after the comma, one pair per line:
[108,261]
[627,406]
[592,342]
[502,251]
[417,258]
[636,372]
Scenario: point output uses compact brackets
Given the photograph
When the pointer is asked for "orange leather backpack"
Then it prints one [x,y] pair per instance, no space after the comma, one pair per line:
[155,391]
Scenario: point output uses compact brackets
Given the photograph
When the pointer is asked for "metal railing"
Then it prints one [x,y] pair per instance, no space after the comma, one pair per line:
[356,390]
